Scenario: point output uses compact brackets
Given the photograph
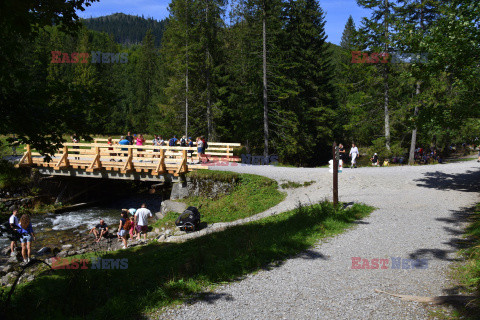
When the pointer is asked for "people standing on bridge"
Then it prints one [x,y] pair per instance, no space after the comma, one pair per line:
[141,220]
[205,147]
[161,142]
[75,139]
[140,141]
[354,154]
[183,141]
[155,142]
[190,145]
[129,137]
[173,142]
[110,143]
[199,149]
[124,142]
[26,235]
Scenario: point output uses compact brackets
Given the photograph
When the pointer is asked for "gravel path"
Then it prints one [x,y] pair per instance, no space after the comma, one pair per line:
[419,215]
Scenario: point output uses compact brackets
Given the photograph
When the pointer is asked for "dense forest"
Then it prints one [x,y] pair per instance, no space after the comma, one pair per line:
[127,29]
[261,73]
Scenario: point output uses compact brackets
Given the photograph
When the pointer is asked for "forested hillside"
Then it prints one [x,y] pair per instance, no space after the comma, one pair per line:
[262,74]
[127,29]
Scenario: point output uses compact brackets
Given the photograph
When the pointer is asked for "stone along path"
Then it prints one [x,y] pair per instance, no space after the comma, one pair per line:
[419,216]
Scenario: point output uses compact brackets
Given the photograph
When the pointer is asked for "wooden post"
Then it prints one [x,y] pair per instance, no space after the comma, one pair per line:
[335,175]
[228,152]
[96,163]
[161,163]
[183,165]
[26,158]
[129,164]
[63,159]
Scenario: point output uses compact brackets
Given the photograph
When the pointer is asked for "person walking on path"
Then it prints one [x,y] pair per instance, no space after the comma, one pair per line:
[14,237]
[354,154]
[141,219]
[26,235]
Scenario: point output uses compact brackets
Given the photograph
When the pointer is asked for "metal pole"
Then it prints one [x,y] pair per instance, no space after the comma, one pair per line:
[335,175]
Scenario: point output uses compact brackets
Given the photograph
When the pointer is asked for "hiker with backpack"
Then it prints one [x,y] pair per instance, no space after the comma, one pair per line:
[173,142]
[183,142]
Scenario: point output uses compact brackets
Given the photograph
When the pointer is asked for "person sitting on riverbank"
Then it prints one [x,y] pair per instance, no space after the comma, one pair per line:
[100,230]
[26,235]
[14,236]
[141,220]
[123,227]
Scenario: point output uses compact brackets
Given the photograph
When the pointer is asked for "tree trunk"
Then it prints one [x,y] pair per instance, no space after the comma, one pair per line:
[186,76]
[265,95]
[387,113]
[411,157]
[386,88]
[210,135]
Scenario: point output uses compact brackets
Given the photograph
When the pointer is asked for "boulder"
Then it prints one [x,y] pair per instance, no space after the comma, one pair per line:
[151,234]
[7,268]
[171,206]
[6,251]
[159,215]
[67,246]
[161,238]
[62,254]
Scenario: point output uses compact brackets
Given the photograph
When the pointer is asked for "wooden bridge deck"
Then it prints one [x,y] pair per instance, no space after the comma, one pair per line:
[127,159]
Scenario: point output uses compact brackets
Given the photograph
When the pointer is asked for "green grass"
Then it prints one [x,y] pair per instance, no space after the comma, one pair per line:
[252,194]
[466,274]
[161,275]
[11,177]
[294,185]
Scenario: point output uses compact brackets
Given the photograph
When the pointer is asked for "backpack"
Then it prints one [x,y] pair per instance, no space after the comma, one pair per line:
[205,144]
[183,142]
[171,142]
[127,225]
[189,219]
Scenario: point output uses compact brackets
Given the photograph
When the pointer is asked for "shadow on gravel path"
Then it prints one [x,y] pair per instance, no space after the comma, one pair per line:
[465,182]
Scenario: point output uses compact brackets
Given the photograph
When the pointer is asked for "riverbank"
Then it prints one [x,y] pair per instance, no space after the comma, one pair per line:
[166,274]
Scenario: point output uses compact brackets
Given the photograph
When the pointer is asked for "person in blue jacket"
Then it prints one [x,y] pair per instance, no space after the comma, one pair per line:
[26,235]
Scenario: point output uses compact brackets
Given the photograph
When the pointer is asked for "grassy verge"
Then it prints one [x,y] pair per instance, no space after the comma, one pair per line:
[466,274]
[294,185]
[160,275]
[252,194]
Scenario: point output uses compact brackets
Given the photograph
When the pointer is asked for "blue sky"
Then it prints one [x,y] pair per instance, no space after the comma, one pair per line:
[337,12]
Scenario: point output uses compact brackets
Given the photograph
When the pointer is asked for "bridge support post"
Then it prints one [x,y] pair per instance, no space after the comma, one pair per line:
[96,164]
[182,168]
[64,159]
[161,163]
[128,167]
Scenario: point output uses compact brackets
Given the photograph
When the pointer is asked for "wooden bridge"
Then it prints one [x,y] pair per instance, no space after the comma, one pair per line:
[128,162]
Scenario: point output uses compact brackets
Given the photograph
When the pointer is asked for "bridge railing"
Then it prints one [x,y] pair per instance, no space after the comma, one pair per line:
[221,149]
[124,158]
